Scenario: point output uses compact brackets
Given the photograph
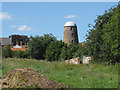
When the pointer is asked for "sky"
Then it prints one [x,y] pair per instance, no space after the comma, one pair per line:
[39,18]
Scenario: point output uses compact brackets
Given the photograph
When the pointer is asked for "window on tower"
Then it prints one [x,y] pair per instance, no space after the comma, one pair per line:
[72,41]
[72,34]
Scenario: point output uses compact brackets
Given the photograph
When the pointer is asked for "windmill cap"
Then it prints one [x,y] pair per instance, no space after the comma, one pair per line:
[70,23]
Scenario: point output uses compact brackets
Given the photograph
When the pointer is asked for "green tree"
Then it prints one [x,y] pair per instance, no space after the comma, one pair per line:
[38,45]
[27,54]
[17,54]
[54,50]
[102,40]
[6,51]
[21,54]
[71,50]
[80,51]
[63,55]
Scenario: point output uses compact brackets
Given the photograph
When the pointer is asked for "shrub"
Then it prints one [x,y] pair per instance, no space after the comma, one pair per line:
[38,45]
[54,50]
[21,54]
[6,51]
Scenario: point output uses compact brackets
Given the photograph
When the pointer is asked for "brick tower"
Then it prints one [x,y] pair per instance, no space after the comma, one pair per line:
[70,33]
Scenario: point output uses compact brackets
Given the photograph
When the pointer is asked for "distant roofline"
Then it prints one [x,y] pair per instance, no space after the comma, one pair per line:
[12,35]
[4,37]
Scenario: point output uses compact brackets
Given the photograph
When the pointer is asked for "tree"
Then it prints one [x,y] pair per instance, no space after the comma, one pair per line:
[27,54]
[37,45]
[54,50]
[71,50]
[6,51]
[80,51]
[63,55]
[102,40]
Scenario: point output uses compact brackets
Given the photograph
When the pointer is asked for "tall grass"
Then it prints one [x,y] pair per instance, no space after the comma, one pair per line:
[76,76]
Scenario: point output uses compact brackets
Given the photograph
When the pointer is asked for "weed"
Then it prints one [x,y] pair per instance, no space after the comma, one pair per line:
[76,76]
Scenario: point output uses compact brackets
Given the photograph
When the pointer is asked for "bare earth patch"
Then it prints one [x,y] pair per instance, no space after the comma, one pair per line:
[24,77]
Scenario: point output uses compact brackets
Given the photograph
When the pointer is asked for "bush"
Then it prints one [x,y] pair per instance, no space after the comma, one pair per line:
[38,45]
[21,54]
[54,50]
[6,51]
[102,40]
[63,55]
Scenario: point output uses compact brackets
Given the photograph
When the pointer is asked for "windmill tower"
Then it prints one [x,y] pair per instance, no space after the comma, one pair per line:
[70,33]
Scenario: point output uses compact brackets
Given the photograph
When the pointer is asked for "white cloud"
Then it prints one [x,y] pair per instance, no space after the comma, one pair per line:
[71,16]
[13,26]
[24,28]
[5,15]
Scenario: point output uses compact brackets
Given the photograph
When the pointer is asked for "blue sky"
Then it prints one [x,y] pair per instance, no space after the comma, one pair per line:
[38,18]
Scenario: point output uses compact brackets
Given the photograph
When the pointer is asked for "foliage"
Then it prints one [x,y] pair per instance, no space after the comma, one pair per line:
[76,50]
[60,51]
[102,40]
[63,54]
[80,51]
[72,48]
[6,51]
[47,47]
[76,76]
[16,54]
[54,50]
[39,44]
[27,53]
[21,54]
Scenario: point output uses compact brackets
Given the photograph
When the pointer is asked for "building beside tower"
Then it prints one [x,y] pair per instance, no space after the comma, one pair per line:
[16,42]
[70,33]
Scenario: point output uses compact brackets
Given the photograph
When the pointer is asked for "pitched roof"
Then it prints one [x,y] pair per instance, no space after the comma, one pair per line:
[5,41]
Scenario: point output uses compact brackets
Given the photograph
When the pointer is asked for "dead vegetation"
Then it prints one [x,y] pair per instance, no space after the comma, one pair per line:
[24,77]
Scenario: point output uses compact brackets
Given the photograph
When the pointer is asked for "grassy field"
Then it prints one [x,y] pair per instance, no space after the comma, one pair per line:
[76,76]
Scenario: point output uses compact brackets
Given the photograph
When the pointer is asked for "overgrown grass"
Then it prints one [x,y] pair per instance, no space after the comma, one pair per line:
[76,76]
